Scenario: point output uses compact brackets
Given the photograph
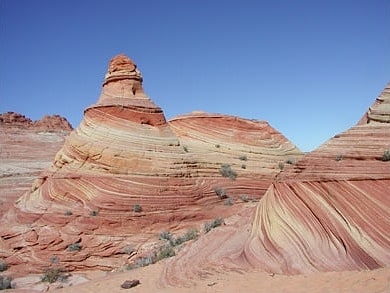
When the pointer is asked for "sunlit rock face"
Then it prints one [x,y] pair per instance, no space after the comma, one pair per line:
[125,171]
[330,210]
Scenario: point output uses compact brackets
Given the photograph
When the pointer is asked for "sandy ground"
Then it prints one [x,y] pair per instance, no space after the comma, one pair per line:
[377,281]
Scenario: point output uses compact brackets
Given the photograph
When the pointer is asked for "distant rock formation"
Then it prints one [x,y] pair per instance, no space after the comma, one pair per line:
[47,123]
[26,148]
[126,170]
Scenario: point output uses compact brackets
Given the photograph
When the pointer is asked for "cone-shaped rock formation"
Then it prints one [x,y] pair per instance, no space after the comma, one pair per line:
[125,170]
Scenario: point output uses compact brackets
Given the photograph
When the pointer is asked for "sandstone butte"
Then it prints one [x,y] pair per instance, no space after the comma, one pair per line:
[125,174]
[329,211]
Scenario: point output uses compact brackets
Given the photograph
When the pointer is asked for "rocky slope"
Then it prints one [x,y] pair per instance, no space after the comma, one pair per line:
[126,170]
[330,211]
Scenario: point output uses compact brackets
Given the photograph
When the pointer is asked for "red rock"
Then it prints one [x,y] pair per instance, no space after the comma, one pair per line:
[124,154]
[331,210]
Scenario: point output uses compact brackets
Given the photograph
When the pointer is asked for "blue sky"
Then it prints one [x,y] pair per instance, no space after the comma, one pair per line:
[309,68]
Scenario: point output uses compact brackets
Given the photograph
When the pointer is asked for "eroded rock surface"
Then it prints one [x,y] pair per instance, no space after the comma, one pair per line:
[329,211]
[26,148]
[125,170]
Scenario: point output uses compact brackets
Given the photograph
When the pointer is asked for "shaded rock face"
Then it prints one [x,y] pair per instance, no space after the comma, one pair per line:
[125,170]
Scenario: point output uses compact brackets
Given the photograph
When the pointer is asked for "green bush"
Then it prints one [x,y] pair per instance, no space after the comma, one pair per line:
[339,157]
[281,165]
[208,226]
[244,198]
[227,171]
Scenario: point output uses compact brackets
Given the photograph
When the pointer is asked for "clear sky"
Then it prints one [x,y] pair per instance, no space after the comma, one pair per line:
[310,68]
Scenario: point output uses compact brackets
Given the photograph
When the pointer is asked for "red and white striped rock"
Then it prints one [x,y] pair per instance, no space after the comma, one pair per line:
[124,154]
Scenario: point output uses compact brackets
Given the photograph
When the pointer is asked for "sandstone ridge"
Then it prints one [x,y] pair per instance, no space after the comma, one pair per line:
[329,211]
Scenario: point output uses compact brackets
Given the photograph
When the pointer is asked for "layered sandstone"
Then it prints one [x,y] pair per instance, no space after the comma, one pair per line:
[26,148]
[125,170]
[329,211]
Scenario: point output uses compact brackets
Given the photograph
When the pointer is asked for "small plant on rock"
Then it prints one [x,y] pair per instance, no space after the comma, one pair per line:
[165,235]
[386,156]
[221,193]
[244,198]
[229,201]
[137,208]
[243,158]
[5,282]
[208,226]
[227,171]
[74,246]
[339,157]
[3,266]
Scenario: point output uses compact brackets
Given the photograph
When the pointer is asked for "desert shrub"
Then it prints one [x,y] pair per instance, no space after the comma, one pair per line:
[3,266]
[68,213]
[128,250]
[137,208]
[208,226]
[74,247]
[229,201]
[189,235]
[5,282]
[244,198]
[386,156]
[243,158]
[51,275]
[165,235]
[217,146]
[221,193]
[243,166]
[93,213]
[142,262]
[155,256]
[185,148]
[227,171]
[165,252]
[281,165]
[290,161]
[339,157]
